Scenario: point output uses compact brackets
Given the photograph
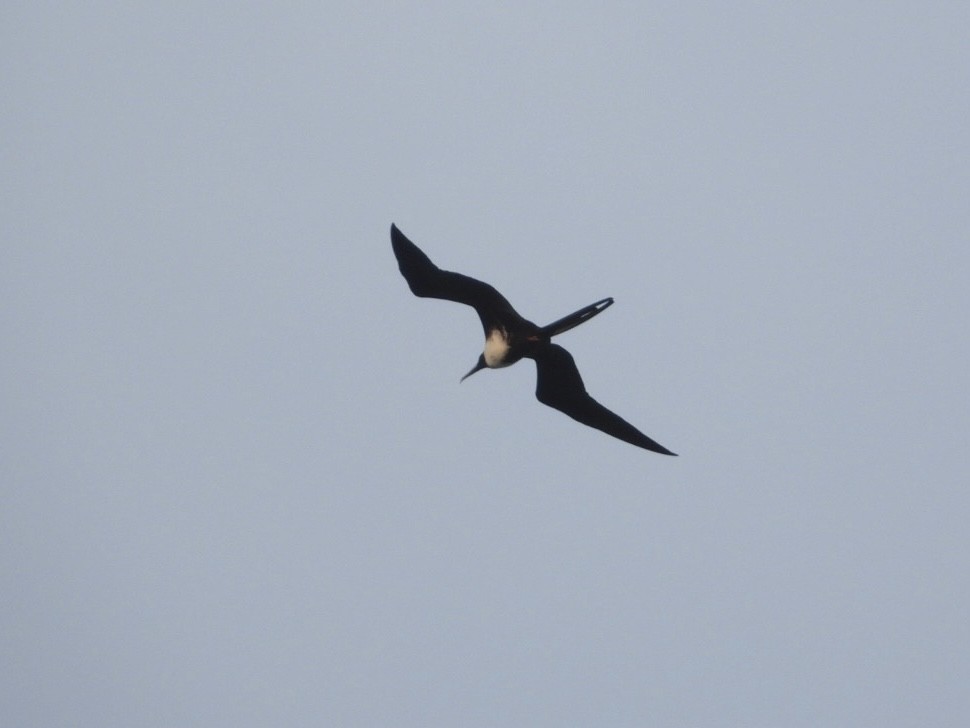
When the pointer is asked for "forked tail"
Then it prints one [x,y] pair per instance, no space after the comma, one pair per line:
[576,318]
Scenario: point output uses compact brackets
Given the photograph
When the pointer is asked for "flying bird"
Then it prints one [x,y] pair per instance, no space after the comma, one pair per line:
[510,337]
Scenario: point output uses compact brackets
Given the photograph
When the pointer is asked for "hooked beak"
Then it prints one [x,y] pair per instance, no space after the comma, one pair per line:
[478,366]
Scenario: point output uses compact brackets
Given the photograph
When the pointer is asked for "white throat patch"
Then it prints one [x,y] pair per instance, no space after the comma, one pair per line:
[496,348]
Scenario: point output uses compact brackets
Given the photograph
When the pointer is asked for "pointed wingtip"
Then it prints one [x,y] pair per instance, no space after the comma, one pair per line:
[664,451]
[399,240]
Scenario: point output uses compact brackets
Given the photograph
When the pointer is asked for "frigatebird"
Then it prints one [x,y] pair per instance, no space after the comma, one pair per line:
[510,337]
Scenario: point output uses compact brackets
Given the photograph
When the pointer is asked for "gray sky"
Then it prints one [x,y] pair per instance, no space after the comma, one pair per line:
[241,485]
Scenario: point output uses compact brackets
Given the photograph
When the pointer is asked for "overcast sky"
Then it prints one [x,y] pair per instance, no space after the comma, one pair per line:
[242,486]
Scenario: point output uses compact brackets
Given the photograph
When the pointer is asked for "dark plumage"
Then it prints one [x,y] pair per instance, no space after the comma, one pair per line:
[510,337]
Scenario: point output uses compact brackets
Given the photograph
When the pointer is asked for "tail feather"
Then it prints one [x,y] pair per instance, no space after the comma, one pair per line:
[576,318]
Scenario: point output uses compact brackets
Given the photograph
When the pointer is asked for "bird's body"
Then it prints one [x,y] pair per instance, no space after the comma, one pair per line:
[509,337]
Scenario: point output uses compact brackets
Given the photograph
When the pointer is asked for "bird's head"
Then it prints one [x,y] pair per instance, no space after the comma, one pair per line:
[479,365]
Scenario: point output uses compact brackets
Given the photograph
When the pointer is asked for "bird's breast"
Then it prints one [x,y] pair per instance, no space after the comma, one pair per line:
[497,349]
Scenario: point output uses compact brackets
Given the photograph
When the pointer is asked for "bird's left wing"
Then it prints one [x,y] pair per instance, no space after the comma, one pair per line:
[427,280]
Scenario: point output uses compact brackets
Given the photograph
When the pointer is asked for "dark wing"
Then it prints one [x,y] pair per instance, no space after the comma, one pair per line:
[559,385]
[428,281]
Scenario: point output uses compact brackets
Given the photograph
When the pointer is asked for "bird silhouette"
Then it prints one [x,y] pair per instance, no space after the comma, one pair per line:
[510,337]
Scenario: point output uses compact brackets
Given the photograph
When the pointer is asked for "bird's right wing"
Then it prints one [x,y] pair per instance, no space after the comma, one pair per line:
[428,281]
[559,385]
